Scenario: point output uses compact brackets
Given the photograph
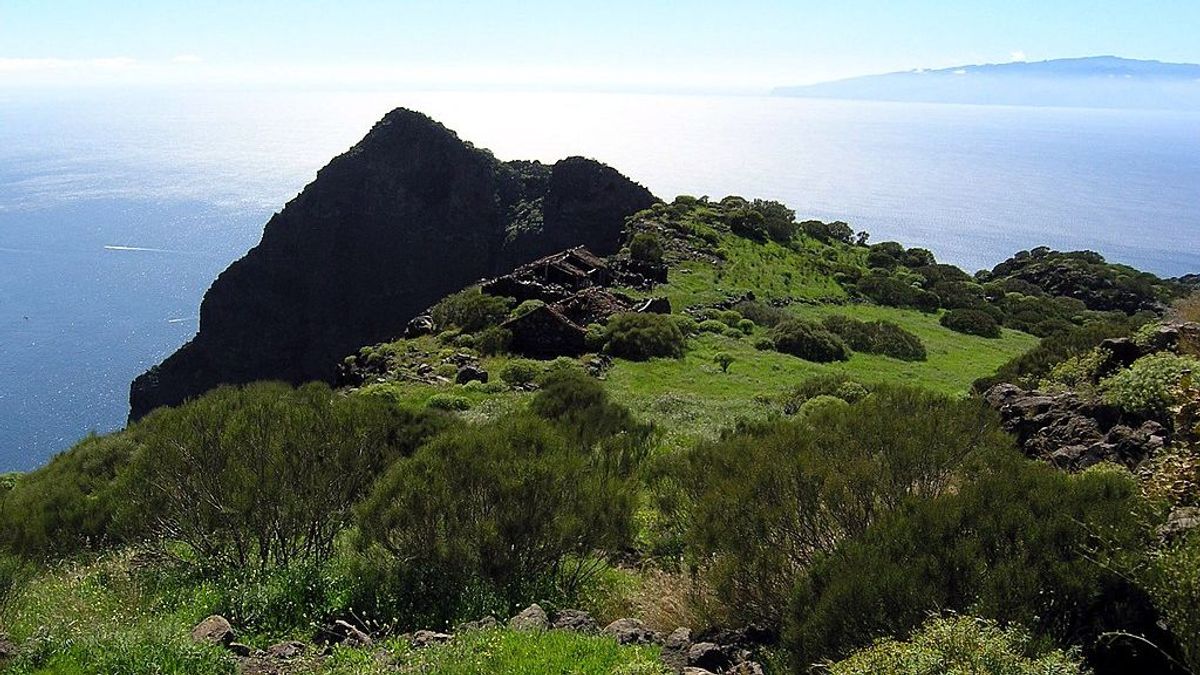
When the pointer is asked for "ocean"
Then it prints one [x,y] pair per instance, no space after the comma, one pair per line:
[117,209]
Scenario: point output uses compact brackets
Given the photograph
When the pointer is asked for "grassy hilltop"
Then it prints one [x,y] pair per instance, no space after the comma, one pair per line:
[795,462]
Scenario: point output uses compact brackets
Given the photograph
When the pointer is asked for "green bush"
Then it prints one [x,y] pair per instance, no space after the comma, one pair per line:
[1029,368]
[645,247]
[1151,385]
[822,405]
[764,343]
[70,503]
[760,313]
[712,326]
[526,307]
[824,384]
[877,337]
[971,322]
[448,402]
[886,289]
[493,340]
[746,326]
[1174,583]
[643,336]
[520,372]
[733,333]
[960,644]
[770,500]
[723,360]
[809,341]
[686,324]
[464,341]
[828,232]
[1019,542]
[264,475]
[581,408]
[470,310]
[512,504]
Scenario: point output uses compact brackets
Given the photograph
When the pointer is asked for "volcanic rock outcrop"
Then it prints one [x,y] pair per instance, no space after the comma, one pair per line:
[408,215]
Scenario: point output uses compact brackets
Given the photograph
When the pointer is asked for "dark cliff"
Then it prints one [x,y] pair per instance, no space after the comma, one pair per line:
[408,215]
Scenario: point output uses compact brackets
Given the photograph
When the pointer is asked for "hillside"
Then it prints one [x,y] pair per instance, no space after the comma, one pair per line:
[1090,82]
[407,215]
[717,440]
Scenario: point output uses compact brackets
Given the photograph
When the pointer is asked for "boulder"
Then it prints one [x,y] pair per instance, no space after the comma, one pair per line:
[285,650]
[419,325]
[485,623]
[631,632]
[239,649]
[1182,520]
[654,306]
[708,655]
[675,649]
[213,630]
[576,620]
[747,668]
[471,373]
[424,638]
[532,617]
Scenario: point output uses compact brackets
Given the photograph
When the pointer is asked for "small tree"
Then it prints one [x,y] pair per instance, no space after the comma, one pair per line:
[724,360]
[646,248]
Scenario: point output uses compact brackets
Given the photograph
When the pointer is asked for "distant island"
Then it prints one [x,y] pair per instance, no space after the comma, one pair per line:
[1090,82]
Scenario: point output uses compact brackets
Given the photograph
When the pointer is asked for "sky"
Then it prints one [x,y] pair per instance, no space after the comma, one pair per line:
[611,45]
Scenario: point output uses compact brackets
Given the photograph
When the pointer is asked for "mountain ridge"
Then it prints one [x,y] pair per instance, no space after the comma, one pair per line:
[1095,81]
[409,214]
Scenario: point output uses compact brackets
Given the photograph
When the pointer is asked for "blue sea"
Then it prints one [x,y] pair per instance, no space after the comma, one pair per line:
[117,209]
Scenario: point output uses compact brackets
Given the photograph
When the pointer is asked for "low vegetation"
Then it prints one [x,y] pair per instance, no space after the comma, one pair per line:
[794,447]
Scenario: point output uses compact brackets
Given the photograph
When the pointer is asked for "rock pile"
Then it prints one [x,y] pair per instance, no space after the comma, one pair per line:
[1072,432]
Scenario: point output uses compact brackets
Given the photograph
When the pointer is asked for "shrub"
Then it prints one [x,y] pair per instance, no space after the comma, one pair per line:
[580,406]
[877,337]
[760,313]
[828,232]
[851,391]
[70,503]
[520,372]
[1026,370]
[779,221]
[643,336]
[448,402]
[822,405]
[971,322]
[645,247]
[493,340]
[712,326]
[511,504]
[265,474]
[723,360]
[1019,543]
[464,341]
[817,385]
[1174,583]
[733,333]
[885,289]
[764,343]
[809,341]
[1151,385]
[687,325]
[526,307]
[768,501]
[746,222]
[959,644]
[470,310]
[746,326]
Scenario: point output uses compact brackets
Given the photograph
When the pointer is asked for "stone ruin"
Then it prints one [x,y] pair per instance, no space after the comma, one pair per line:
[575,285]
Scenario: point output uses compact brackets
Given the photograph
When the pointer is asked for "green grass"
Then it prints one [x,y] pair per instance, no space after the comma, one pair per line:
[770,270]
[99,616]
[691,399]
[488,652]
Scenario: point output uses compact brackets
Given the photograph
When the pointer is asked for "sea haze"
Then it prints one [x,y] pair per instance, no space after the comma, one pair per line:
[117,211]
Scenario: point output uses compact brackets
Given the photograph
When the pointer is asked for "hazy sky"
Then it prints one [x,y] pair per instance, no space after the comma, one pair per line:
[614,44]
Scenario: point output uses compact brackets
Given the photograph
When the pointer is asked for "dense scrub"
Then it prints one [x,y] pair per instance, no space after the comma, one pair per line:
[643,336]
[877,337]
[809,341]
[769,501]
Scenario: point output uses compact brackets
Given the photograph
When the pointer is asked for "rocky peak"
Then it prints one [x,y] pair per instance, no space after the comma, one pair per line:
[408,215]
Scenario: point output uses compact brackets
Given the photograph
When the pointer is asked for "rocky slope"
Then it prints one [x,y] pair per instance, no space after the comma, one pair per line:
[408,215]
